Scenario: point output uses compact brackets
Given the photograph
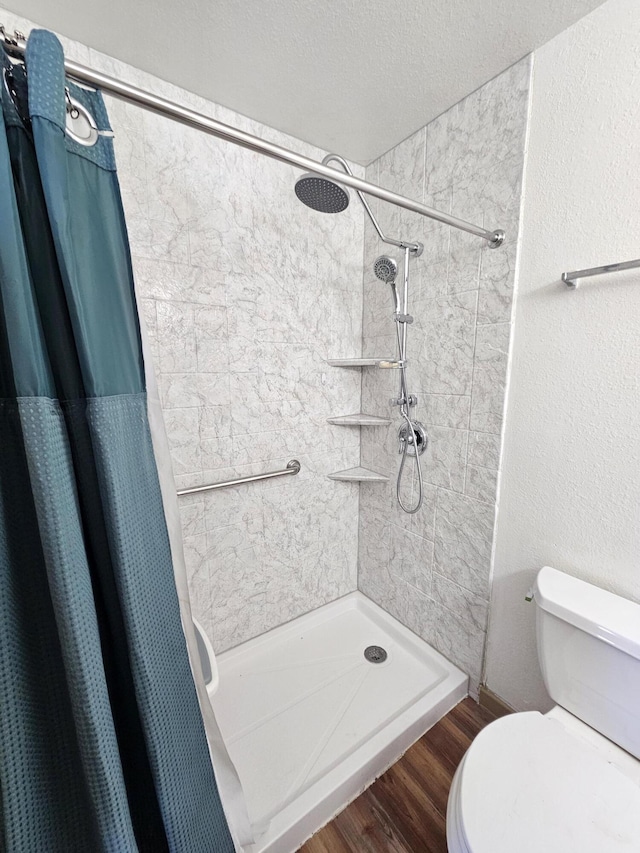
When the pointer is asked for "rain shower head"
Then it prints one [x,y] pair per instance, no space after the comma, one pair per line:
[321,194]
[327,196]
[386,269]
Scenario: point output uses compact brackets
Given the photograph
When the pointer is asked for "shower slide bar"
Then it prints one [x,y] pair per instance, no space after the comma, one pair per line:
[571,278]
[293,467]
[15,46]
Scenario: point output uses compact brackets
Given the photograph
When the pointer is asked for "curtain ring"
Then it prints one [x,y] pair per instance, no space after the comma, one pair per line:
[7,76]
[9,41]
[86,132]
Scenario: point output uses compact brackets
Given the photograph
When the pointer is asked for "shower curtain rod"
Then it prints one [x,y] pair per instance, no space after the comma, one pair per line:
[15,46]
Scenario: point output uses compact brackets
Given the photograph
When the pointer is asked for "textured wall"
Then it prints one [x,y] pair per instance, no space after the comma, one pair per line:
[570,482]
[432,570]
[245,293]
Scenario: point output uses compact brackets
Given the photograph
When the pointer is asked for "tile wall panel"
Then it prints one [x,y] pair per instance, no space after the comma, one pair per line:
[432,570]
[247,292]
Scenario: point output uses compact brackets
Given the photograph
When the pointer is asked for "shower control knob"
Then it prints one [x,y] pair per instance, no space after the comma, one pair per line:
[405,438]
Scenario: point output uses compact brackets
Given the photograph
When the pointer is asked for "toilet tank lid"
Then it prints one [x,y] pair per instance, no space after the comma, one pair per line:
[610,618]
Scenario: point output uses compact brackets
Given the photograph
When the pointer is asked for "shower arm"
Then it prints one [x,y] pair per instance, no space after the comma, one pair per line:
[415,248]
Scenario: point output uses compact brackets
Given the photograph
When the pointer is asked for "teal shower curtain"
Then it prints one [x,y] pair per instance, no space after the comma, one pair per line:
[102,746]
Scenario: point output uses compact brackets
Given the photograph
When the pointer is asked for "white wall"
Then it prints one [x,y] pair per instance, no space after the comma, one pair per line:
[570,488]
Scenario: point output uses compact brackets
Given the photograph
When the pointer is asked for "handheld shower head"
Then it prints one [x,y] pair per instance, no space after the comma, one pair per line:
[386,269]
[321,193]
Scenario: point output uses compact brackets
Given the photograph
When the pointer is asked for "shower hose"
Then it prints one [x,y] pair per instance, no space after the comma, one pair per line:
[404,411]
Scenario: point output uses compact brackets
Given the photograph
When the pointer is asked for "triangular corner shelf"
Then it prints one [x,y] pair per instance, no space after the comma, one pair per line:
[359,419]
[359,475]
[356,362]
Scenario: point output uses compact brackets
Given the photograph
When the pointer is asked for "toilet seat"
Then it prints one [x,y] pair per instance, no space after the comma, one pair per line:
[527,785]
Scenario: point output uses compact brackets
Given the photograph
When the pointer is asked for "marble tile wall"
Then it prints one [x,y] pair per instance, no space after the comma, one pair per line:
[245,293]
[432,570]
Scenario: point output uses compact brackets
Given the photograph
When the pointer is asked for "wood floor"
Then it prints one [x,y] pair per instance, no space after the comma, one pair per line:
[404,810]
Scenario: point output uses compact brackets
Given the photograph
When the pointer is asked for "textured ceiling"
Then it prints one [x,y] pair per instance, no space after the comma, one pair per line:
[352,76]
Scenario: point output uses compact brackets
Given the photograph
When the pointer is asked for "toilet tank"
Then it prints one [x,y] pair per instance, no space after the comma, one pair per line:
[589,652]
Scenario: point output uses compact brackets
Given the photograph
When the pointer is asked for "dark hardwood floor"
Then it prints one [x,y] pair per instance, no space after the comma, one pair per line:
[404,810]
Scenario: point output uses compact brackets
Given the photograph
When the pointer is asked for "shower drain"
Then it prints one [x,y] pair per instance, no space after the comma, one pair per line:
[375,654]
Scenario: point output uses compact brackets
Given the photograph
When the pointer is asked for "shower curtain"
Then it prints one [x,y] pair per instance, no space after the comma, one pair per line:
[102,745]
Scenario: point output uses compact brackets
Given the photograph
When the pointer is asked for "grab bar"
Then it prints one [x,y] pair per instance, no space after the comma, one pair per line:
[571,278]
[293,467]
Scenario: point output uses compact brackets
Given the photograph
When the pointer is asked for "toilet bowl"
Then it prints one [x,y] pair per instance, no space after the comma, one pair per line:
[562,781]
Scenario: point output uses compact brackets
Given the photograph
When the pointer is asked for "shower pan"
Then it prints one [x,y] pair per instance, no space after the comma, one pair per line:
[327,196]
[313,711]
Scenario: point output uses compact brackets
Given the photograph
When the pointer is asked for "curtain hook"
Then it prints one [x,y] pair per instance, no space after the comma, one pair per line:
[11,41]
[72,109]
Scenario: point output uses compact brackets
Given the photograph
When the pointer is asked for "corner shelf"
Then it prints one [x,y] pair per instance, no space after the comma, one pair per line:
[359,475]
[356,362]
[359,419]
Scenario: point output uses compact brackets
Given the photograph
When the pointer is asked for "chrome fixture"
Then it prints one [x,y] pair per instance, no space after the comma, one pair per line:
[375,654]
[327,196]
[15,46]
[293,467]
[571,278]
[416,439]
[412,436]
[386,269]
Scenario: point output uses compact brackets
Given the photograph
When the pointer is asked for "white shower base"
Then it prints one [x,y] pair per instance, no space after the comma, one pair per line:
[309,723]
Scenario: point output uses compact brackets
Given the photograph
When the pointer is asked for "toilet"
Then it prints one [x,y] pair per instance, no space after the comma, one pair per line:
[567,781]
